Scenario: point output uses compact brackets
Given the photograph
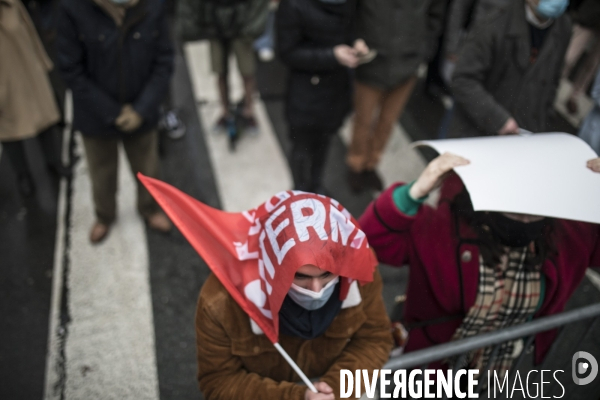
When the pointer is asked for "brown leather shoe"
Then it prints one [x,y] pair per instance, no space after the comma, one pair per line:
[99,232]
[159,222]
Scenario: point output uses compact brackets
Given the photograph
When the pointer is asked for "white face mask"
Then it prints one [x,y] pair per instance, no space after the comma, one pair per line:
[312,300]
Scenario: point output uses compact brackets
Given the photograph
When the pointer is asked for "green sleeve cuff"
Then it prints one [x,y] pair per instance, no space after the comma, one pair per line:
[404,202]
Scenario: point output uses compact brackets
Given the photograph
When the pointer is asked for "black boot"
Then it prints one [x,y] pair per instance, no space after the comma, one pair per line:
[372,180]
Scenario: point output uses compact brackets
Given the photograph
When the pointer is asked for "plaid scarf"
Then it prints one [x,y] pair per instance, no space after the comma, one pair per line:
[507,295]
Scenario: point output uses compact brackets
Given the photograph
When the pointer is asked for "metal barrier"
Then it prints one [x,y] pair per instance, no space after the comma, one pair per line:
[462,347]
[425,356]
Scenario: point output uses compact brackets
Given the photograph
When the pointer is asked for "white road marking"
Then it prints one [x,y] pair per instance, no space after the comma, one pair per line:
[109,348]
[53,373]
[258,168]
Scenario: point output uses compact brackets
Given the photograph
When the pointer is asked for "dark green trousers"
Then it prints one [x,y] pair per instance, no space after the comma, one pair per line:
[103,160]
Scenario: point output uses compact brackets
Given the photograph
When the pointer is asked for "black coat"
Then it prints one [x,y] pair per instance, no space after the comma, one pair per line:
[107,66]
[319,88]
[494,79]
[587,14]
[404,33]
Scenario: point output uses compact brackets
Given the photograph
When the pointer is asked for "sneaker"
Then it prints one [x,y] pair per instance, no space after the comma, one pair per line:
[174,125]
[372,180]
[222,123]
[266,54]
[99,232]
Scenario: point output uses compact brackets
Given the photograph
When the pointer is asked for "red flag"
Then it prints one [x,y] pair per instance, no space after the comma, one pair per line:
[255,254]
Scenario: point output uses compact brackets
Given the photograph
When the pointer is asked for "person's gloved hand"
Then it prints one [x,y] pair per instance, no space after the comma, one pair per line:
[129,119]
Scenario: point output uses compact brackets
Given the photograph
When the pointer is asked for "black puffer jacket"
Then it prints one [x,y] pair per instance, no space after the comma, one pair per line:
[107,66]
[318,96]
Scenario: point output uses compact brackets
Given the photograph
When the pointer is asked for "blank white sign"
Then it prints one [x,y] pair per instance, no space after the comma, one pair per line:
[542,174]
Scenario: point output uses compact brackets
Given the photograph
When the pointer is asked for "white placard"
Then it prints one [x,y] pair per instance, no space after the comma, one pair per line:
[542,174]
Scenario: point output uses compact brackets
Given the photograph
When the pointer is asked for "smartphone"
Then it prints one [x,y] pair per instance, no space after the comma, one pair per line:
[365,58]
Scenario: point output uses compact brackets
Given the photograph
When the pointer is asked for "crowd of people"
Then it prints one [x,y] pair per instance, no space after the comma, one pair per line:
[471,272]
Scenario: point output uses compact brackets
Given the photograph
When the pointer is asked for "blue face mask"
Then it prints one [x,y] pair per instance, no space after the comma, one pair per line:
[120,2]
[552,8]
[310,300]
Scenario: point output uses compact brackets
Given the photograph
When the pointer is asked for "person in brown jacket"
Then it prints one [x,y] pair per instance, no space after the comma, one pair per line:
[28,108]
[237,361]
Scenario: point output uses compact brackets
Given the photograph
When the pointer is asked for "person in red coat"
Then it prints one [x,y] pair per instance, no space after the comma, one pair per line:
[475,272]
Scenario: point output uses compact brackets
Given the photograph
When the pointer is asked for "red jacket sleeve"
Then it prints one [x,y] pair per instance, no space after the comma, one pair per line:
[388,229]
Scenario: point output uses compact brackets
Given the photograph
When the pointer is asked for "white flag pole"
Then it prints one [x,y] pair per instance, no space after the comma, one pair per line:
[295,367]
